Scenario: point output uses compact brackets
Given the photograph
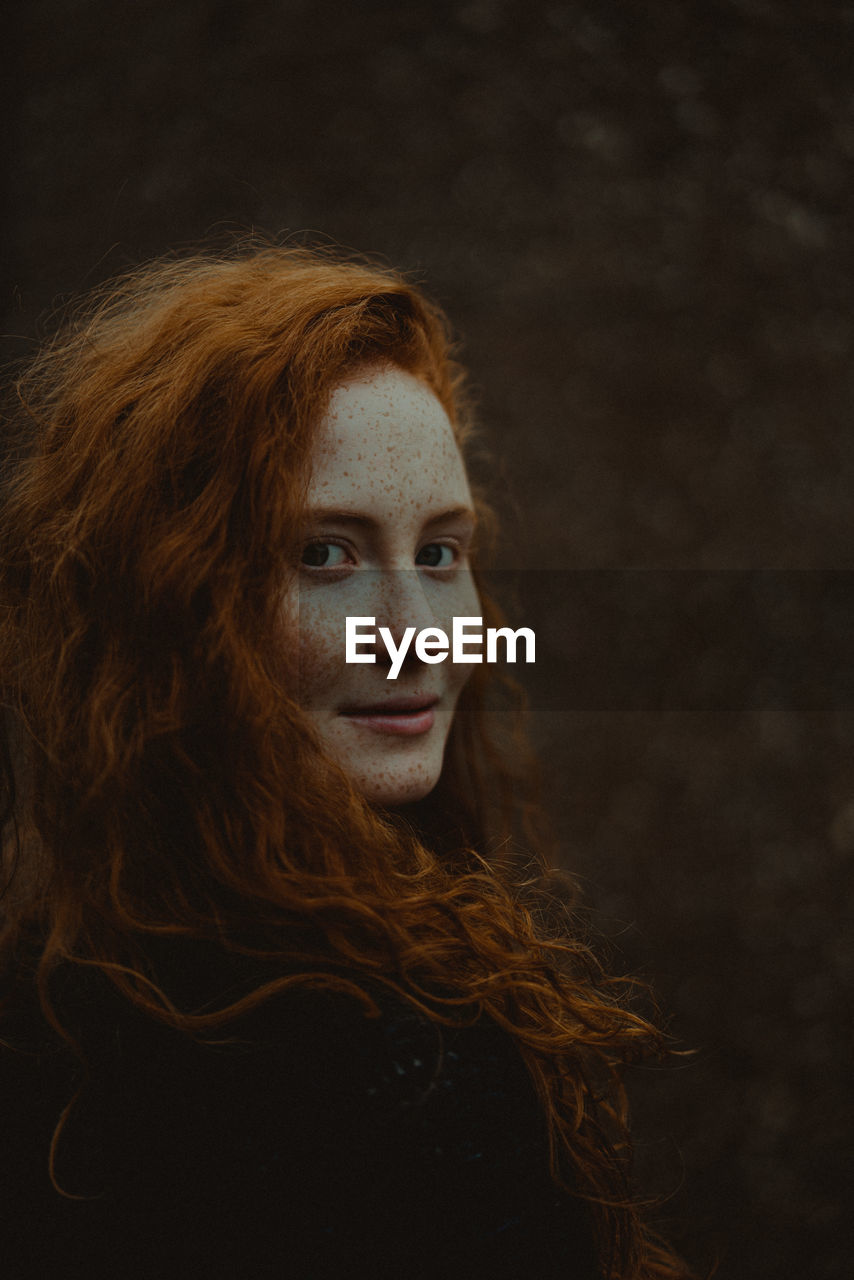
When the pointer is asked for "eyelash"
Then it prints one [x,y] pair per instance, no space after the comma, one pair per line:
[339,570]
[323,542]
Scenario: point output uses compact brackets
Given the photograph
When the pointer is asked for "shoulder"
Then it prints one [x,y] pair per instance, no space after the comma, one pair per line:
[323,1129]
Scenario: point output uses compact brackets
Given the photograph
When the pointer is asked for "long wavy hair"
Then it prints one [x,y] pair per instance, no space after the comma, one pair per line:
[158,778]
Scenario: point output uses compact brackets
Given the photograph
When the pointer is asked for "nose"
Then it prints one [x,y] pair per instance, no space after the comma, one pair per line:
[400,602]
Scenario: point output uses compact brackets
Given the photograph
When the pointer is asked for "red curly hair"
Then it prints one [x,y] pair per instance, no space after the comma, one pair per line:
[158,459]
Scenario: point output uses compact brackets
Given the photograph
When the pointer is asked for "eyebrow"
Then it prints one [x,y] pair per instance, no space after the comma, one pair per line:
[338,515]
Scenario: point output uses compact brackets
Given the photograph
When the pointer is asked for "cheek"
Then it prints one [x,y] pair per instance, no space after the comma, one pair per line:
[320,650]
[459,600]
[459,673]
[312,638]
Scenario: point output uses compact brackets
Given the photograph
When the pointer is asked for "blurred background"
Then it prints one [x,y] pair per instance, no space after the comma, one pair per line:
[639,219]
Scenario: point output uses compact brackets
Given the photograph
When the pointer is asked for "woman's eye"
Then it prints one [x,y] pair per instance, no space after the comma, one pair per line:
[324,555]
[436,555]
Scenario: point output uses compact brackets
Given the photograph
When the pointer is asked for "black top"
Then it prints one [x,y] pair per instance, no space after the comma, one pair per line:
[323,1144]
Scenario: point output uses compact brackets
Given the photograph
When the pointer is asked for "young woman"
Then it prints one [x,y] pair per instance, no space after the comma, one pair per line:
[278,997]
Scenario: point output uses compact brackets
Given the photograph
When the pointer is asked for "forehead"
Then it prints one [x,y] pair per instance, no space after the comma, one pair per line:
[387,442]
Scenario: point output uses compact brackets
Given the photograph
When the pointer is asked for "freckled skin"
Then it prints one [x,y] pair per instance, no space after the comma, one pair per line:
[387,488]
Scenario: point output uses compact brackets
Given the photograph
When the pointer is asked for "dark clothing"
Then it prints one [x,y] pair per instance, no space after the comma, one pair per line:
[323,1143]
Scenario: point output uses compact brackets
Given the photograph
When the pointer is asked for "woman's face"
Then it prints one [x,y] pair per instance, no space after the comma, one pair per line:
[387,535]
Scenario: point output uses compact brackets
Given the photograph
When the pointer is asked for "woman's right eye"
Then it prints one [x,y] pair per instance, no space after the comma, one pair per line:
[324,555]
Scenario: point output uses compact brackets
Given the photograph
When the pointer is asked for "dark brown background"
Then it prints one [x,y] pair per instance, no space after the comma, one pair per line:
[639,217]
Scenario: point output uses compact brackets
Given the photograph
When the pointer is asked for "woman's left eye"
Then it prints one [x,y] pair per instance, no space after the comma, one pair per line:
[436,555]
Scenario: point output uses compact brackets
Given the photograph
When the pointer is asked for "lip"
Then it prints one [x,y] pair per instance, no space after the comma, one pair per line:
[405,717]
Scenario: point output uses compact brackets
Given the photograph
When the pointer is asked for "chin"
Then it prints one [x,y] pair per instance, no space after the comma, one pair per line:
[389,787]
[388,772]
[389,795]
